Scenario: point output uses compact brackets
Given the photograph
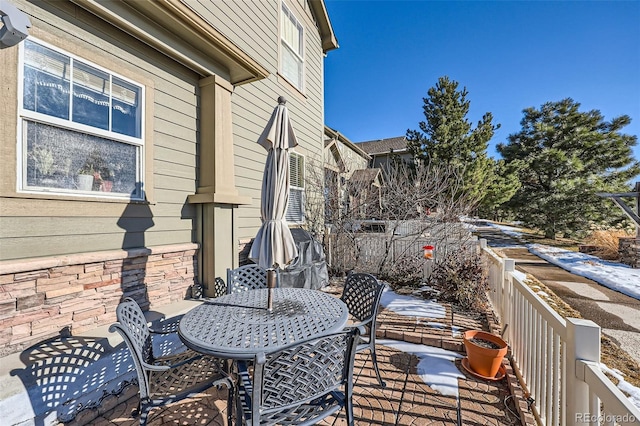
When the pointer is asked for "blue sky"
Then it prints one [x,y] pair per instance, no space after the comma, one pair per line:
[510,55]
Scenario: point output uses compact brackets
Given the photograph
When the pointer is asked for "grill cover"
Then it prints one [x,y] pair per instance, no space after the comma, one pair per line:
[309,269]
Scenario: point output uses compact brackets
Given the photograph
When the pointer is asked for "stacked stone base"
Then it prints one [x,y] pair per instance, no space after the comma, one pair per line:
[629,250]
[40,298]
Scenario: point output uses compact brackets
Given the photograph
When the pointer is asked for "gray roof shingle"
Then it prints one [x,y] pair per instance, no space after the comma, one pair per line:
[384,146]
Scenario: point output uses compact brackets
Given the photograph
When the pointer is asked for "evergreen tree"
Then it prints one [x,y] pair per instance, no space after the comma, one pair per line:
[565,156]
[447,138]
[503,185]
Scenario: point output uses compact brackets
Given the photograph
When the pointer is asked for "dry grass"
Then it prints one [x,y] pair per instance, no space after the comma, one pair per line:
[536,237]
[611,354]
[606,241]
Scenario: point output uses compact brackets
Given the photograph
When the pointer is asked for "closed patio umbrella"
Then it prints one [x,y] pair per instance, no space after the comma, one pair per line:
[274,245]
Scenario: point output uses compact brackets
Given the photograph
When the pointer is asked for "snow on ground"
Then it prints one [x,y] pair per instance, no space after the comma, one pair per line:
[508,230]
[616,276]
[632,391]
[435,367]
[411,306]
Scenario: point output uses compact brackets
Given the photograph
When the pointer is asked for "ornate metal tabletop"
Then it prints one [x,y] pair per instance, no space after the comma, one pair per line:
[238,325]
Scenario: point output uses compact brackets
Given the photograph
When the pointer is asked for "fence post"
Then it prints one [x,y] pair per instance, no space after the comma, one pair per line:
[583,342]
[505,297]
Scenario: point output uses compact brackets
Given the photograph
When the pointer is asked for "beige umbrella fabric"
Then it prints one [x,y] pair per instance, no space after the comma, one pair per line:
[274,245]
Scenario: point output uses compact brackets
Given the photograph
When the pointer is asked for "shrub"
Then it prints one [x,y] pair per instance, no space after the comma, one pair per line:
[406,271]
[606,241]
[461,277]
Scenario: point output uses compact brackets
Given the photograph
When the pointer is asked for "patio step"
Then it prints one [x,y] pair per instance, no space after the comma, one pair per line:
[52,381]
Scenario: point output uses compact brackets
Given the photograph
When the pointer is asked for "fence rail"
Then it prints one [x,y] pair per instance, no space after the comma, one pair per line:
[396,241]
[553,355]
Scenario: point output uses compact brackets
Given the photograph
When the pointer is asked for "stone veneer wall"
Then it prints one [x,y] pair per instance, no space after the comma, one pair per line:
[629,250]
[39,298]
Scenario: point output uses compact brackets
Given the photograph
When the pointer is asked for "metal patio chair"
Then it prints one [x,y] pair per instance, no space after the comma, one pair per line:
[219,287]
[169,378]
[361,294]
[299,384]
[247,277]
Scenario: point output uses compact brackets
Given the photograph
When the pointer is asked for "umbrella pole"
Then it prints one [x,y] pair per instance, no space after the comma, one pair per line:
[271,284]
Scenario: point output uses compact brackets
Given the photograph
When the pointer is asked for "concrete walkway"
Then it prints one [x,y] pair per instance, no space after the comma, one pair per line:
[617,314]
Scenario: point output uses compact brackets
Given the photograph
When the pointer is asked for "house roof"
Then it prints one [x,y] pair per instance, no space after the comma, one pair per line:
[195,43]
[329,41]
[334,134]
[384,146]
[174,29]
[366,176]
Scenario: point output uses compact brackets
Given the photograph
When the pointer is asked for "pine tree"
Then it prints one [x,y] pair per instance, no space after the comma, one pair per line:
[503,185]
[447,138]
[565,156]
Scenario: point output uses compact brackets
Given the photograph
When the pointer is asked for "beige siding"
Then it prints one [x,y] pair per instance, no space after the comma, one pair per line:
[33,226]
[353,161]
[252,25]
[254,28]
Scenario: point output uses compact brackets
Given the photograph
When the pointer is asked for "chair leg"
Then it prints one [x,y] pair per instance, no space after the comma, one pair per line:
[236,400]
[374,358]
[144,413]
[230,397]
[349,410]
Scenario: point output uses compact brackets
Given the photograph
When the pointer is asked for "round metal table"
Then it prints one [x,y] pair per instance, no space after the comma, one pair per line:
[238,325]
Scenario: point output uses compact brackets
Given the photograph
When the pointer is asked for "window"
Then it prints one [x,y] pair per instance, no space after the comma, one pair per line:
[291,61]
[81,127]
[295,210]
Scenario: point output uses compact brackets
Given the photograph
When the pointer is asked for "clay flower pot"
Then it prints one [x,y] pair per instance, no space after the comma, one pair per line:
[484,361]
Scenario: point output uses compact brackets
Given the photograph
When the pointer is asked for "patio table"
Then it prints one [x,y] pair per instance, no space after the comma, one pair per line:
[238,325]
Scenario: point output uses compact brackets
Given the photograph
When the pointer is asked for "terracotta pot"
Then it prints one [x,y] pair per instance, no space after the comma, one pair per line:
[484,361]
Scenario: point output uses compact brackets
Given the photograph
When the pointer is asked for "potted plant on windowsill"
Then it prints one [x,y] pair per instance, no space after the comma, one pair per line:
[85,177]
[106,179]
[95,174]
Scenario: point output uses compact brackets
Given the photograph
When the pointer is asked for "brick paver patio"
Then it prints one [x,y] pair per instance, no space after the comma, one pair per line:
[407,399]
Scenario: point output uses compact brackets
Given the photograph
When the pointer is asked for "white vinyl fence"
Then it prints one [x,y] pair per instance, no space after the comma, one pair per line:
[557,360]
[395,241]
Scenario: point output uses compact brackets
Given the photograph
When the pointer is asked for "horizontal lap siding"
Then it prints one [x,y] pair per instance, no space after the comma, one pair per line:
[253,26]
[37,227]
[175,123]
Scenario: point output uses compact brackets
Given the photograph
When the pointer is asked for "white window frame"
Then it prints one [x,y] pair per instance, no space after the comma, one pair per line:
[68,124]
[301,189]
[286,13]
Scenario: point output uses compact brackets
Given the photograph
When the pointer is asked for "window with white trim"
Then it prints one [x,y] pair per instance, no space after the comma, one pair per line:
[292,50]
[81,127]
[295,209]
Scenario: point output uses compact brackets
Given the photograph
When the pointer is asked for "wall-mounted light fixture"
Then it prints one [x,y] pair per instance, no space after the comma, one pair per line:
[16,25]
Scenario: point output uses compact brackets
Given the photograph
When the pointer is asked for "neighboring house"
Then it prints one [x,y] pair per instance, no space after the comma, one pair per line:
[342,158]
[159,105]
[385,151]
[365,198]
